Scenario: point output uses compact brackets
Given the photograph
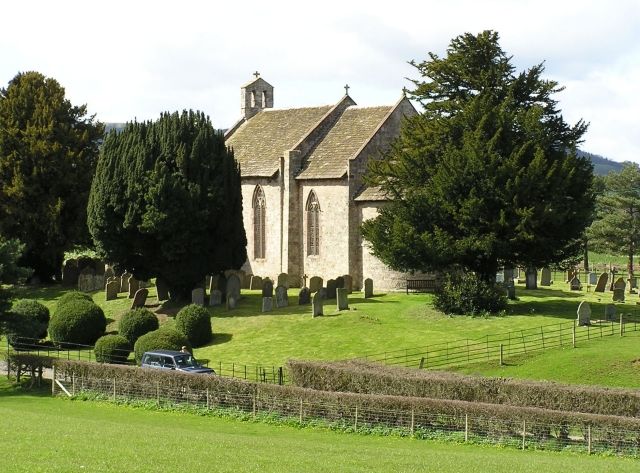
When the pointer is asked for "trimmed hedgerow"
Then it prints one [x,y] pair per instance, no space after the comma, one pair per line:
[194,322]
[73,296]
[112,349]
[161,339]
[362,377]
[29,319]
[467,295]
[136,323]
[77,321]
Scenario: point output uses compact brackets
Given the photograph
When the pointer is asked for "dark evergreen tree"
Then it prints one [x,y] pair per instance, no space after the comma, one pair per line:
[487,175]
[166,201]
[48,152]
[10,273]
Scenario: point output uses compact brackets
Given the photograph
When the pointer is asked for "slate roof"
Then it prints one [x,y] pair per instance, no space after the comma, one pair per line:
[369,194]
[259,143]
[354,128]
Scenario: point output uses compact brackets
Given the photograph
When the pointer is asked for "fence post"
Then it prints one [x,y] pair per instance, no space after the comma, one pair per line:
[53,381]
[413,420]
[524,432]
[207,398]
[157,392]
[621,326]
[114,388]
[573,335]
[588,439]
[300,411]
[280,376]
[355,424]
[501,350]
[254,403]
[73,383]
[466,427]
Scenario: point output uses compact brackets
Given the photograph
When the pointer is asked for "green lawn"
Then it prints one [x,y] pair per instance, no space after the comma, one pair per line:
[43,434]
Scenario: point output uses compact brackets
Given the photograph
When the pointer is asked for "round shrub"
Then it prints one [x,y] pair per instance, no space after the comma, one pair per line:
[31,319]
[112,349]
[194,322]
[136,323]
[466,294]
[161,339]
[77,321]
[73,296]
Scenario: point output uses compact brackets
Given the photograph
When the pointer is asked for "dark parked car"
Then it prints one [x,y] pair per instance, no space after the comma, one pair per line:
[173,360]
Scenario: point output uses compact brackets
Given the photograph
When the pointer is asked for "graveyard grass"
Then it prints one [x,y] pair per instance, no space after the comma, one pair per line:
[94,436]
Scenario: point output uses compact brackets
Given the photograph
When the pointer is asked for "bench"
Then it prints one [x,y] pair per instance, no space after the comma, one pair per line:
[421,285]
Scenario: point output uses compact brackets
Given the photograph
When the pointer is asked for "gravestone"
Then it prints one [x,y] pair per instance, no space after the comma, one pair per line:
[233,291]
[500,277]
[323,292]
[282,298]
[304,296]
[140,298]
[283,280]
[610,312]
[162,289]
[111,291]
[619,284]
[316,304]
[256,283]
[593,279]
[124,282]
[545,277]
[575,284]
[572,273]
[342,300]
[267,288]
[315,283]
[134,285]
[267,304]
[197,296]
[348,283]
[618,295]
[70,272]
[85,280]
[511,290]
[215,298]
[584,314]
[339,282]
[331,289]
[601,286]
[368,288]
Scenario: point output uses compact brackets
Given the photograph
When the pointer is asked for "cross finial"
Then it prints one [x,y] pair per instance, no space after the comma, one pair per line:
[404,92]
[346,89]
[257,74]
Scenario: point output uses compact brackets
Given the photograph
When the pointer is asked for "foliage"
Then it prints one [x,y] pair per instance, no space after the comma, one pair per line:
[136,323]
[77,321]
[161,339]
[112,349]
[48,152]
[487,175]
[74,296]
[29,319]
[194,322]
[166,202]
[616,228]
[467,294]
[10,273]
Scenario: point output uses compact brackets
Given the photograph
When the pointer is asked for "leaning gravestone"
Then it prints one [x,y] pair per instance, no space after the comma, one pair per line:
[368,288]
[162,289]
[331,289]
[342,301]
[545,277]
[610,312]
[140,298]
[267,288]
[124,282]
[575,284]
[283,280]
[197,296]
[282,298]
[304,296]
[339,282]
[267,304]
[233,291]
[584,314]
[316,304]
[111,291]
[256,283]
[315,283]
[134,285]
[601,286]
[215,298]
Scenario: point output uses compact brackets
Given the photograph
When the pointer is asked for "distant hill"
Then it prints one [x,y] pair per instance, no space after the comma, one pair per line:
[601,165]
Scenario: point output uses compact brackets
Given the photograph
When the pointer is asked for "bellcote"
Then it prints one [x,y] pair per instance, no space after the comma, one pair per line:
[255,96]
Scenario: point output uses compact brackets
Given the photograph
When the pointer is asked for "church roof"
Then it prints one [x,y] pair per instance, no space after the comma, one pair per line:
[371,194]
[259,143]
[354,129]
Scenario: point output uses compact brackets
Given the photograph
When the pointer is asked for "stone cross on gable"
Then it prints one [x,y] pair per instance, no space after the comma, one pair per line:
[346,89]
[257,74]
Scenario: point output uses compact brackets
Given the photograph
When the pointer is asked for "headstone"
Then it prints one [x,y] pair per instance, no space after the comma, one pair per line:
[339,282]
[233,291]
[619,284]
[575,284]
[215,298]
[197,296]
[283,280]
[267,304]
[140,298]
[348,283]
[531,279]
[111,291]
[545,277]
[323,292]
[316,304]
[70,272]
[601,286]
[134,285]
[572,273]
[304,296]
[315,283]
[511,290]
[267,288]
[618,295]
[584,314]
[341,298]
[331,289]
[162,289]
[368,288]
[124,282]
[282,298]
[610,312]
[593,279]
[85,280]
[256,283]
[500,277]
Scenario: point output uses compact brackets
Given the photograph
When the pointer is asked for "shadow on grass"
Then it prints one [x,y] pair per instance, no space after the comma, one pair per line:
[11,388]
[49,292]
[220,338]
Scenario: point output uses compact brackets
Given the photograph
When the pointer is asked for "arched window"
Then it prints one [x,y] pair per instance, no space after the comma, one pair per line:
[253,98]
[313,225]
[259,210]
[264,99]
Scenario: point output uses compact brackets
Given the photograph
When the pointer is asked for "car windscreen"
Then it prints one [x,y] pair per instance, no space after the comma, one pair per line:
[185,360]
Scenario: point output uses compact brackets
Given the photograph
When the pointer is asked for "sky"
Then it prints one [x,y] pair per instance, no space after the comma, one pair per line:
[134,59]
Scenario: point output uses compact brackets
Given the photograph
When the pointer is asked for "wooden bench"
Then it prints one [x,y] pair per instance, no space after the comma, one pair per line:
[421,285]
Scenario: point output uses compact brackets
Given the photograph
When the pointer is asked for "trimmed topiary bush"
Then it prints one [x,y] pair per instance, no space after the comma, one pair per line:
[161,339]
[112,349]
[77,321]
[136,323]
[73,296]
[467,295]
[194,322]
[28,318]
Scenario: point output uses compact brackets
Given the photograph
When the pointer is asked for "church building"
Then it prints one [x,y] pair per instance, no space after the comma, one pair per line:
[302,187]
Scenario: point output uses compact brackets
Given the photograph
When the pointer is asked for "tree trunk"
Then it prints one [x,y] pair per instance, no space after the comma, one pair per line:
[531,275]
[630,267]
[586,255]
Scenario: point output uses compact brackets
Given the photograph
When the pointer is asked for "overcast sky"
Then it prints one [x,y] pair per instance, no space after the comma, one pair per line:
[135,59]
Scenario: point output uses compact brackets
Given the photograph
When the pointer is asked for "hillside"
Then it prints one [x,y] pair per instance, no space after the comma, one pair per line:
[601,165]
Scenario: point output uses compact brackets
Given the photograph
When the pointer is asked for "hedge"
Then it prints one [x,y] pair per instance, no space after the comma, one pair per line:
[194,322]
[77,321]
[369,378]
[73,296]
[112,349]
[136,323]
[161,339]
[28,318]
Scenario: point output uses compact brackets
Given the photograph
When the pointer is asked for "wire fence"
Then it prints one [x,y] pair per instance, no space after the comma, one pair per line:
[423,424]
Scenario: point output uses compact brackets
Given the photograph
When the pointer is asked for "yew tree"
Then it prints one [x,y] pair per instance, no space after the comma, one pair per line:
[487,174]
[166,201]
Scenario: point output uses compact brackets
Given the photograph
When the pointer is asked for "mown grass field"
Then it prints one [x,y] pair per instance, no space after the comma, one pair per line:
[43,434]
